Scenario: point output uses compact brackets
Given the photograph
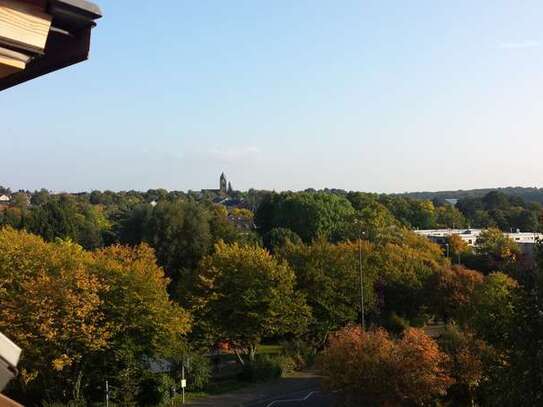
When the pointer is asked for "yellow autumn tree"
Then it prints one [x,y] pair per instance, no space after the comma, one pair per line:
[137,304]
[81,316]
[51,307]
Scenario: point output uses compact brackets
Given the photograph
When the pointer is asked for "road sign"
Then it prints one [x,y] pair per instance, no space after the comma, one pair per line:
[183,383]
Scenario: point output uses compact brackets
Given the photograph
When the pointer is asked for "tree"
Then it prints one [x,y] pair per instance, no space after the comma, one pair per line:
[243,294]
[450,290]
[179,231]
[372,368]
[405,267]
[40,197]
[66,218]
[137,303]
[491,311]
[308,214]
[509,317]
[329,276]
[81,316]
[495,251]
[468,356]
[458,248]
[448,216]
[13,216]
[55,219]
[52,308]
[278,238]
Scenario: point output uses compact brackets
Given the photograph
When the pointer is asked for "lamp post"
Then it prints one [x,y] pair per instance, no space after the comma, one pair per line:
[361,273]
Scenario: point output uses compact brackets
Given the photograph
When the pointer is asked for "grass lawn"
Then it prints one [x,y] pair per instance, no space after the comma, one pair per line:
[269,349]
[221,387]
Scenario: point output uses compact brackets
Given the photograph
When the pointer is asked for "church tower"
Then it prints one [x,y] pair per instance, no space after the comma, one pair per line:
[222,184]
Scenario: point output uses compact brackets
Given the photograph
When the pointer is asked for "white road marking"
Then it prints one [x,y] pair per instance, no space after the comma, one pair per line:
[292,400]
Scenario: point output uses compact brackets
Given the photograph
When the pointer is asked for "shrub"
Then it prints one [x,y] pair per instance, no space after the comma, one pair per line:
[198,372]
[73,403]
[263,368]
[396,324]
[301,353]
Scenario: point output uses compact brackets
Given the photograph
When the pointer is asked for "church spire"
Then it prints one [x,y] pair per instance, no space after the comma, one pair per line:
[222,183]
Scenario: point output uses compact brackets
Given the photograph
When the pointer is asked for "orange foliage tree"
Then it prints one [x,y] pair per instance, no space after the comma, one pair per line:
[450,290]
[373,368]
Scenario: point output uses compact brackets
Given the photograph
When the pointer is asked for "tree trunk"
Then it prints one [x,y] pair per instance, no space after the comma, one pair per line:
[252,352]
[240,359]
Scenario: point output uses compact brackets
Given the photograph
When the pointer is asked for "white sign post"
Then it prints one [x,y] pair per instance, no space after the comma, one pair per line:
[183,382]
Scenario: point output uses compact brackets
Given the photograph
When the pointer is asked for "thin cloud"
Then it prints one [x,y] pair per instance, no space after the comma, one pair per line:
[233,154]
[519,44]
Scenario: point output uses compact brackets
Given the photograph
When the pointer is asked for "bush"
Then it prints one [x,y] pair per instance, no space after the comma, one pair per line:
[198,372]
[158,389]
[263,368]
[302,354]
[73,403]
[396,324]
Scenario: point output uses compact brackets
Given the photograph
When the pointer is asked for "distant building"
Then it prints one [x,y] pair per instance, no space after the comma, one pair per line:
[5,199]
[224,187]
[222,184]
[525,240]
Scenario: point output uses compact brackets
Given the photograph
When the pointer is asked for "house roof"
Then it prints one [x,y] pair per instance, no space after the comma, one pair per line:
[63,37]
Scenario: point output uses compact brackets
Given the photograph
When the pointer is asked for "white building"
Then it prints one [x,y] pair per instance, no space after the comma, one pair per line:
[4,199]
[525,240]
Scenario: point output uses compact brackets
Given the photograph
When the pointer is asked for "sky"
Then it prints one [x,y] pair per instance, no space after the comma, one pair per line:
[378,96]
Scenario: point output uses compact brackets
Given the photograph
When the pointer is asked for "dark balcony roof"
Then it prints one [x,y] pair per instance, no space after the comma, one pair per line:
[68,42]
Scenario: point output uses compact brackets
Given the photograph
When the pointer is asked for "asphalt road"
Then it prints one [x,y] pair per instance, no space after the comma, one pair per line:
[306,398]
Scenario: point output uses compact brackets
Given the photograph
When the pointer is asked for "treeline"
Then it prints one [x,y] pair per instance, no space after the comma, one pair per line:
[528,194]
[163,278]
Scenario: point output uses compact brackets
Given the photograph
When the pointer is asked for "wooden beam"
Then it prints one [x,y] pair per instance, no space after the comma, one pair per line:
[5,402]
[8,67]
[11,62]
[24,25]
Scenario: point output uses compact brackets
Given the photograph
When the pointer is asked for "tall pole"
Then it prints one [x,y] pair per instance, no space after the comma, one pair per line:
[107,393]
[361,281]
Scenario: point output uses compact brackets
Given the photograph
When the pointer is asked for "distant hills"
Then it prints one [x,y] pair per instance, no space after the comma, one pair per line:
[527,194]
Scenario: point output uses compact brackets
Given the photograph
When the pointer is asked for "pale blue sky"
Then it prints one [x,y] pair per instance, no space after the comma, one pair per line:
[383,96]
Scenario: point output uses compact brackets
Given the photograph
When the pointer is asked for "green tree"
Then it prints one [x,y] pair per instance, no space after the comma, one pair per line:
[243,294]
[491,312]
[329,276]
[179,231]
[494,252]
[308,214]
[278,238]
[448,216]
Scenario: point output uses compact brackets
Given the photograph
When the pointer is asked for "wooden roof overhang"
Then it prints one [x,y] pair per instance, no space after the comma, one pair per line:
[41,36]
